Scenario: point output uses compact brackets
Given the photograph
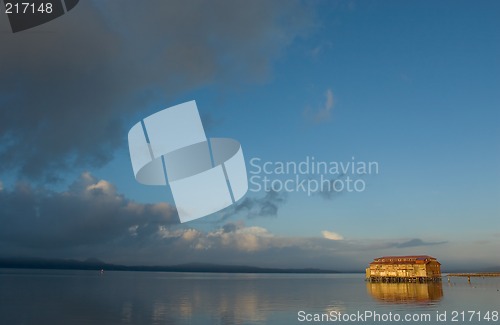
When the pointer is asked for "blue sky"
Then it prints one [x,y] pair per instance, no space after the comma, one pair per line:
[413,86]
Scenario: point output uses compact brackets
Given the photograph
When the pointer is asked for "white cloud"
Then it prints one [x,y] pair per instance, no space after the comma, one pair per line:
[243,238]
[325,112]
[190,234]
[331,235]
[102,185]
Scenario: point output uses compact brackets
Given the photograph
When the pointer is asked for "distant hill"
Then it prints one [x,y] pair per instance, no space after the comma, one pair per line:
[95,264]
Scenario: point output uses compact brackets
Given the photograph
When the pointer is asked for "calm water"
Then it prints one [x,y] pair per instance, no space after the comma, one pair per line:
[85,297]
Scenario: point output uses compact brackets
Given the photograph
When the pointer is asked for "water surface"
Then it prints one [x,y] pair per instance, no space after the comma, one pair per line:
[86,297]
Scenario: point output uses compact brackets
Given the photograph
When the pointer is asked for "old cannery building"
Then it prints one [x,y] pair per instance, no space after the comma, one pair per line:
[418,268]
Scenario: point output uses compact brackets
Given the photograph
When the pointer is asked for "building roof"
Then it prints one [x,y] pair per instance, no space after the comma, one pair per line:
[411,259]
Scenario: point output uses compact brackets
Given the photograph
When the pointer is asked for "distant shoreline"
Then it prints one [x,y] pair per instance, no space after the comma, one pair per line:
[17,263]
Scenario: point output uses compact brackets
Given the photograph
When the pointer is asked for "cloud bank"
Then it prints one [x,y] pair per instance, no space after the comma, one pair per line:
[89,213]
[91,219]
[416,242]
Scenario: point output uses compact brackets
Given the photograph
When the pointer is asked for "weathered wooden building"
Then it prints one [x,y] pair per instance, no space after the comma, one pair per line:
[419,268]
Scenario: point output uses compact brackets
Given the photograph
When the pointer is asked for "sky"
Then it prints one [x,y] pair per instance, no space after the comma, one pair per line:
[411,87]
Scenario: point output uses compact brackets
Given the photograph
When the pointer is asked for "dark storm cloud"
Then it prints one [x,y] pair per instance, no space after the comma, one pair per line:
[66,87]
[89,213]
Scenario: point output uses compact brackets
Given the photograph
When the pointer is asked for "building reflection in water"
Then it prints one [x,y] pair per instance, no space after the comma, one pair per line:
[406,292]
